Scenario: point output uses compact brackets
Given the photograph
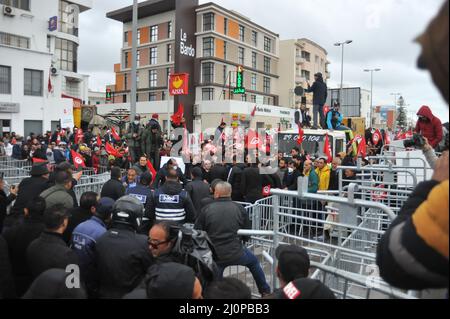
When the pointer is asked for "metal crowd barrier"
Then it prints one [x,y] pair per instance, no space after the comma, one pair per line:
[340,233]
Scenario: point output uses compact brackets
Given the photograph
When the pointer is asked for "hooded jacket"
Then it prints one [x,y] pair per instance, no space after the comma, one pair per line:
[432,129]
[324,177]
[413,253]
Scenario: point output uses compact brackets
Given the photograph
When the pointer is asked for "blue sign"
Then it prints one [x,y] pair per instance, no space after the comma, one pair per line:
[53,24]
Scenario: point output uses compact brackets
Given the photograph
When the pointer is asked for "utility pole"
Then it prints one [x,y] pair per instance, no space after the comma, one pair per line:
[371,93]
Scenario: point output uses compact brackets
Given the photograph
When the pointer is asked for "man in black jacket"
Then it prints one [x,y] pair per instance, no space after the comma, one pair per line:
[113,188]
[19,238]
[235,178]
[219,171]
[29,189]
[251,184]
[49,250]
[197,189]
[221,220]
[6,279]
[88,201]
[170,202]
[122,256]
[320,94]
[164,171]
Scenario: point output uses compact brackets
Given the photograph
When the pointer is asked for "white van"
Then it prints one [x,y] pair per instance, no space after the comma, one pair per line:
[313,141]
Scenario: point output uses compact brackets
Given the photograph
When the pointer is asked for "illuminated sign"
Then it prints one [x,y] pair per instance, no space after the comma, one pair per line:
[239,81]
[108,95]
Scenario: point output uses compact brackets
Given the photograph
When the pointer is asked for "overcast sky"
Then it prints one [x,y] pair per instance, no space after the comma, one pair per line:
[383,32]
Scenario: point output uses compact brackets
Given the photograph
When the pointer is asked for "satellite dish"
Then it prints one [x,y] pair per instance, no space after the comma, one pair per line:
[299,91]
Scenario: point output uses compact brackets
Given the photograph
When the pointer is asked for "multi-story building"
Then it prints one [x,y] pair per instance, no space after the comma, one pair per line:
[300,59]
[224,40]
[227,40]
[39,79]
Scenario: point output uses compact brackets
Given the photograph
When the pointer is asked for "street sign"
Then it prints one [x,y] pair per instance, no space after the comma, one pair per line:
[179,84]
[239,81]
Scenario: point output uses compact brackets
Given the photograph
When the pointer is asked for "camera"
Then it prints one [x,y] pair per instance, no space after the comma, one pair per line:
[417,141]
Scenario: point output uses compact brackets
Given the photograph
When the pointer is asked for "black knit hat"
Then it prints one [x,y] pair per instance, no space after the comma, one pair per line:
[39,169]
[170,281]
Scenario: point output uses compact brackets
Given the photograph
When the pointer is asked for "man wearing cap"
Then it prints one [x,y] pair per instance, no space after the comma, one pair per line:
[85,236]
[154,121]
[320,94]
[134,138]
[29,189]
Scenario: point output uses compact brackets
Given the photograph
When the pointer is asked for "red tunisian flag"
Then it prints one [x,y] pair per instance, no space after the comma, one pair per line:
[253,112]
[99,141]
[112,151]
[327,149]
[114,134]
[152,170]
[79,136]
[177,117]
[301,134]
[253,140]
[387,138]
[362,147]
[49,85]
[77,159]
[409,134]
[376,137]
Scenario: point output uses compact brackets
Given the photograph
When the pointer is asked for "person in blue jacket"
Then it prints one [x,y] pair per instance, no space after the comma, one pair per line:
[84,239]
[334,119]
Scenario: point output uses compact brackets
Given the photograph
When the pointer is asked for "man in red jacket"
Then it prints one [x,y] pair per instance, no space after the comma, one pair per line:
[429,126]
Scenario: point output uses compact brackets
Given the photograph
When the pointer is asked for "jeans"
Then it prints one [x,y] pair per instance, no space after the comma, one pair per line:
[342,128]
[318,115]
[249,260]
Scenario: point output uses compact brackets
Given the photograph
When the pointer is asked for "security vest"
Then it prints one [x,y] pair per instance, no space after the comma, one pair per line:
[140,192]
[170,207]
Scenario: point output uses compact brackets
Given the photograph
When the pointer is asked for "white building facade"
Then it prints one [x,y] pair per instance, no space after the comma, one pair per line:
[39,83]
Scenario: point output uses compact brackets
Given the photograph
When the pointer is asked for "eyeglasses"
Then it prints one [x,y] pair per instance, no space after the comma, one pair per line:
[154,244]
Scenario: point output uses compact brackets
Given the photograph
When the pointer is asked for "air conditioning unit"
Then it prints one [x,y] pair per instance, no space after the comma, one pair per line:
[54,71]
[9,11]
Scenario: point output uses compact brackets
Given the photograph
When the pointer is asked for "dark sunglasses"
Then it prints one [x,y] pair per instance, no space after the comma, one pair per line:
[156,244]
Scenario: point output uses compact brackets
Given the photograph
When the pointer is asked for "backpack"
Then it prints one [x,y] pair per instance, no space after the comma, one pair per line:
[196,250]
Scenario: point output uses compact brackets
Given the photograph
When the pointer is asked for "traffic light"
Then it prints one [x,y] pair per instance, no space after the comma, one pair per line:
[108,95]
[239,81]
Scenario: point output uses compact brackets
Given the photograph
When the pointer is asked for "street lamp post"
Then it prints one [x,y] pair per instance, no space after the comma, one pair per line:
[134,62]
[395,108]
[342,44]
[371,93]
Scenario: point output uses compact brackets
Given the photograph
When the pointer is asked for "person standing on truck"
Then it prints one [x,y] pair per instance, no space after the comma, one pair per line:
[320,94]
[334,119]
